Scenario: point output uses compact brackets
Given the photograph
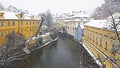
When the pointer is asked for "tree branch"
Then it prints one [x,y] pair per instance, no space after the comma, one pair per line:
[114,25]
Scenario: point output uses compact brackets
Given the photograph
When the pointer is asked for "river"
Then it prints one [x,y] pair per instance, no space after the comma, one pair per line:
[65,53]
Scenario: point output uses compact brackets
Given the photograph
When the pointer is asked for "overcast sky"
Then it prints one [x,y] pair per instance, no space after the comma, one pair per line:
[56,6]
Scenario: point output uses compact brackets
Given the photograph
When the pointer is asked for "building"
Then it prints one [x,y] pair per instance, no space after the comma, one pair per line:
[70,22]
[17,22]
[102,43]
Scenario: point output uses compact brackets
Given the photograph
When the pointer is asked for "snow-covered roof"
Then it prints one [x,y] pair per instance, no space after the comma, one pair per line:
[77,19]
[67,20]
[74,15]
[96,23]
[13,15]
[103,24]
[9,15]
[26,16]
[81,15]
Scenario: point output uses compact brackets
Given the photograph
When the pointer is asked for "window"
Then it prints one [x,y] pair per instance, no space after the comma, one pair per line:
[113,49]
[30,23]
[2,33]
[21,23]
[33,29]
[30,29]
[13,23]
[106,45]
[90,36]
[8,23]
[87,35]
[36,22]
[21,30]
[100,42]
[93,38]
[26,23]
[96,40]
[2,23]
[13,31]
[8,32]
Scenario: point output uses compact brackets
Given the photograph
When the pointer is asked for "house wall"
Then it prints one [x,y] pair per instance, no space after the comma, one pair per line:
[101,43]
[26,27]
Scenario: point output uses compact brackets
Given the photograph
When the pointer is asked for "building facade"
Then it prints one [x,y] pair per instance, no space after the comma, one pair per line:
[102,43]
[18,23]
[70,23]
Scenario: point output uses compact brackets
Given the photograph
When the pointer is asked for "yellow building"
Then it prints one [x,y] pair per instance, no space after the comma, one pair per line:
[19,23]
[102,43]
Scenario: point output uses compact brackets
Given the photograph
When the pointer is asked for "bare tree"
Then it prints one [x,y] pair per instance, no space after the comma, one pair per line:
[49,19]
[115,26]
[41,15]
[113,23]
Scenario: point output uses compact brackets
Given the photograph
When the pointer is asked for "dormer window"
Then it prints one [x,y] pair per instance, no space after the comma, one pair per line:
[1,15]
[31,17]
[20,16]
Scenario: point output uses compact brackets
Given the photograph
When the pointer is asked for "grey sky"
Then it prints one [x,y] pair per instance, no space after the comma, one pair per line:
[56,6]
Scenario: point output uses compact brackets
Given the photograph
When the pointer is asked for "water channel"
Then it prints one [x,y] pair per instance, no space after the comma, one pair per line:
[63,54]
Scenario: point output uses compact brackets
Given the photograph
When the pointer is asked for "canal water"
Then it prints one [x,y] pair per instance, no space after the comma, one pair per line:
[62,54]
[65,53]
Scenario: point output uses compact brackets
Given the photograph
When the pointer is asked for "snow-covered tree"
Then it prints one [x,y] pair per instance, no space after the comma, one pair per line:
[101,12]
[12,9]
[48,19]
[114,23]
[1,6]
